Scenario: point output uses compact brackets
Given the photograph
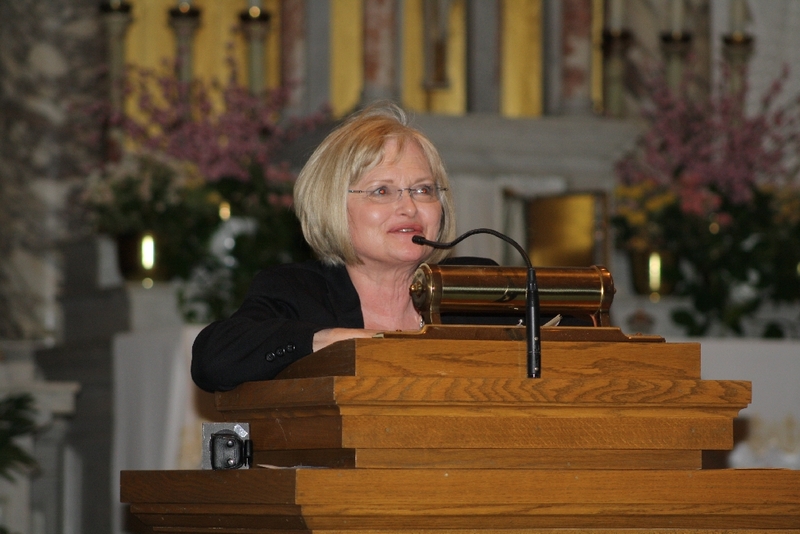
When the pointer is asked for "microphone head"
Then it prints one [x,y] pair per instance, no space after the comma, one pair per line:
[418,239]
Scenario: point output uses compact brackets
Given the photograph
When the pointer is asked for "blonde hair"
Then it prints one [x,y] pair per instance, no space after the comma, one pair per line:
[355,147]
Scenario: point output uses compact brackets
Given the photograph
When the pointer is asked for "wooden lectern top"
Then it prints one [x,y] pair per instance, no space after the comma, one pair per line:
[487,351]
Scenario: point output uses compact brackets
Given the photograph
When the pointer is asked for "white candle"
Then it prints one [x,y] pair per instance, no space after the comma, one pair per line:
[738,16]
[615,14]
[676,17]
[148,252]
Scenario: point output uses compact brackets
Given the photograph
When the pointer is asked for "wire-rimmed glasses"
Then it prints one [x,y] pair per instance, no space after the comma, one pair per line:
[386,194]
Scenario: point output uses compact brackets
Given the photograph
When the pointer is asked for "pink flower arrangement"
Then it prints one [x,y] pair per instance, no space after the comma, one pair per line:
[706,155]
[226,131]
[208,144]
[713,185]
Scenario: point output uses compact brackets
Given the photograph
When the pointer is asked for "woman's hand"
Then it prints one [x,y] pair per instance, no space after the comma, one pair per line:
[323,338]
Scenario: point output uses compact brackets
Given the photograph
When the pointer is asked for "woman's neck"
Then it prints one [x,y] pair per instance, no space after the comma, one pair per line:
[385,299]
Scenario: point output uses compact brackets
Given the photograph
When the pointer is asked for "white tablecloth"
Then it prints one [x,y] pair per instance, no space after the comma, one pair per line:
[158,411]
[774,414]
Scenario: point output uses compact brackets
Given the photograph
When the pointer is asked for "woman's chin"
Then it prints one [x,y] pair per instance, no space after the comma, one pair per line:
[395,253]
[408,257]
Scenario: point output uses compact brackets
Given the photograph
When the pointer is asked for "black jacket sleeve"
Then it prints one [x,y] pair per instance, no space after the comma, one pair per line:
[275,326]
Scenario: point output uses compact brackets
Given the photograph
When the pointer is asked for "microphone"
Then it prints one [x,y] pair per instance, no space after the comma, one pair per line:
[532,329]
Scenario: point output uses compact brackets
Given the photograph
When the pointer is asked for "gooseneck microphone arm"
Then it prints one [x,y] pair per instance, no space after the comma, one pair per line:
[534,346]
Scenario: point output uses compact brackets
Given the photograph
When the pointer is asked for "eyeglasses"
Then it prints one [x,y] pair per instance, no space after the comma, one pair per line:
[386,194]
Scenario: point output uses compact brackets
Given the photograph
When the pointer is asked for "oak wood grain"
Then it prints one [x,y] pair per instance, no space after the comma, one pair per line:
[438,413]
[254,397]
[437,432]
[483,458]
[465,500]
[500,359]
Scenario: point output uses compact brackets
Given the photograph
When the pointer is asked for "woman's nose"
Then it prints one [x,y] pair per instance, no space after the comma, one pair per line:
[406,201]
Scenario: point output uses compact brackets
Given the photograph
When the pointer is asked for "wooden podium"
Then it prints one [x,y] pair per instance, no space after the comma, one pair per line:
[418,433]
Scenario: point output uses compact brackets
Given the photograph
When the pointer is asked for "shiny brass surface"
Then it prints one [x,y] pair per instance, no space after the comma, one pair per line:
[593,334]
[576,291]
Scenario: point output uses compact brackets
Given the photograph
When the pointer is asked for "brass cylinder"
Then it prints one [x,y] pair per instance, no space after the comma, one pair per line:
[575,291]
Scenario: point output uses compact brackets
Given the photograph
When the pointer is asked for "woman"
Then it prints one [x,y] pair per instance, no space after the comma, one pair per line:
[367,189]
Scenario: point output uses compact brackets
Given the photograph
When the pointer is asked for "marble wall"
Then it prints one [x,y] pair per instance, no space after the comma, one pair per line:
[52,66]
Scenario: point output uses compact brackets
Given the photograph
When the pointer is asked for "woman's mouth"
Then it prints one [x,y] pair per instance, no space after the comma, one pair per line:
[408,230]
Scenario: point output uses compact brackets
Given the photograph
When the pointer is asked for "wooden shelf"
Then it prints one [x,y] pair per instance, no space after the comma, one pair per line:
[462,500]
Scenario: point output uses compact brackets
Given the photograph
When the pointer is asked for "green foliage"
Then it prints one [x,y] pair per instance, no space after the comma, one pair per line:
[198,147]
[730,270]
[152,193]
[16,420]
[272,236]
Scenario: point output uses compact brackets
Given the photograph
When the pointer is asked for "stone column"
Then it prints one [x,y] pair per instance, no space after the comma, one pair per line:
[483,56]
[675,47]
[318,22]
[255,24]
[737,45]
[676,43]
[616,39]
[116,19]
[615,45]
[47,489]
[576,70]
[552,50]
[184,19]
[293,52]
[737,50]
[381,41]
[436,22]
[305,54]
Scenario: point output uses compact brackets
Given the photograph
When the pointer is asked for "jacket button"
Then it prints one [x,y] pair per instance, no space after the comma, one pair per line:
[270,356]
[290,348]
[279,352]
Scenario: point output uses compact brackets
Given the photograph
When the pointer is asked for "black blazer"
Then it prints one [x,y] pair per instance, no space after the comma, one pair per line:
[275,326]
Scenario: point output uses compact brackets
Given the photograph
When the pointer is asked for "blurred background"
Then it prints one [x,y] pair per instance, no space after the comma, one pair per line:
[148,150]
